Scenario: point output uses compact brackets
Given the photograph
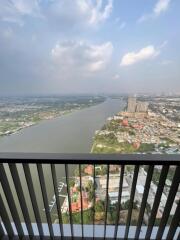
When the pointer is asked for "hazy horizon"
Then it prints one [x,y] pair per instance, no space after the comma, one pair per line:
[56,47]
[120,94]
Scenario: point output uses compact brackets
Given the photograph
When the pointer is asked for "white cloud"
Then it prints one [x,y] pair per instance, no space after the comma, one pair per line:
[160,7]
[14,11]
[81,56]
[25,7]
[79,12]
[145,53]
[98,12]
[65,13]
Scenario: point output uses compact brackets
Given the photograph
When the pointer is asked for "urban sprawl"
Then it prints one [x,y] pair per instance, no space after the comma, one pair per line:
[90,196]
[148,125]
[144,127]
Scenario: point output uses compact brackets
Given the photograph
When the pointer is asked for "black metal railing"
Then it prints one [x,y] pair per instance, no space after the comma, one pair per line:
[17,185]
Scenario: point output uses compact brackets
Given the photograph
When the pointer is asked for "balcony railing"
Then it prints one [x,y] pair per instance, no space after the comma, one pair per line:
[28,179]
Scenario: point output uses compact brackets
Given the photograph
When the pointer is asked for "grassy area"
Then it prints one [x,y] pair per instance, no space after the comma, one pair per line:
[109,144]
[146,147]
[113,148]
[111,126]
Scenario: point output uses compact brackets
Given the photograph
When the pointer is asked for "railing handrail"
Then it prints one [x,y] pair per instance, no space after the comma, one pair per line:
[89,158]
[53,174]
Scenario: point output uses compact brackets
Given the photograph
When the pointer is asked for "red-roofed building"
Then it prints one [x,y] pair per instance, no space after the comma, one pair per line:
[125,122]
[76,206]
[136,145]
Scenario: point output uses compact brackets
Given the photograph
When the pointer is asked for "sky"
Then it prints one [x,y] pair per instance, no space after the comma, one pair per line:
[89,46]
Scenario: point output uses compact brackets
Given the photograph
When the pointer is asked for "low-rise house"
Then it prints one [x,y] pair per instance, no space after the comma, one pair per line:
[88,170]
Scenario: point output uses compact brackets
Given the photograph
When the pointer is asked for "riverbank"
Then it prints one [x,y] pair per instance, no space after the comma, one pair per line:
[18,116]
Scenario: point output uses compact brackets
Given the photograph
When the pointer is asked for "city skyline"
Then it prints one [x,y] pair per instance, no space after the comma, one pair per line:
[88,46]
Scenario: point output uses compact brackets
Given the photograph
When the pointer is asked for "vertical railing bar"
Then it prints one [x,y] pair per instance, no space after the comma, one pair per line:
[175,223]
[169,203]
[119,201]
[33,198]
[107,201]
[1,230]
[133,188]
[45,199]
[94,198]
[157,199]
[54,177]
[80,180]
[22,201]
[69,200]
[144,200]
[5,219]
[10,201]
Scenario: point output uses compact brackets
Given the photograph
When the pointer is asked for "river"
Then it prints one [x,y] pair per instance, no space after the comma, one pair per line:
[72,133]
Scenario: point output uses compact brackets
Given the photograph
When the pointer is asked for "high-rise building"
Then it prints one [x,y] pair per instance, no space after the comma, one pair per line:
[134,106]
[131,104]
[142,107]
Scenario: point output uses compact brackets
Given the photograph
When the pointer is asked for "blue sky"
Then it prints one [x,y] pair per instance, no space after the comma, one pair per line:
[89,46]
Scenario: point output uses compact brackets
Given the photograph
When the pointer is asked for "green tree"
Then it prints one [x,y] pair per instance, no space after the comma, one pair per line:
[103,170]
[145,147]
[99,206]
[71,183]
[76,172]
[90,195]
[65,218]
[76,218]
[88,216]
[126,205]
